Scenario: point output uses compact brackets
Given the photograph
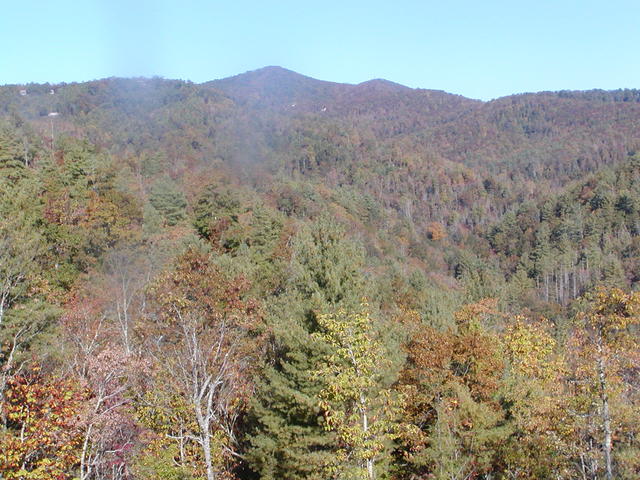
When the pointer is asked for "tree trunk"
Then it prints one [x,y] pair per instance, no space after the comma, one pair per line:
[546,287]
[205,442]
[85,470]
[206,446]
[365,429]
[606,416]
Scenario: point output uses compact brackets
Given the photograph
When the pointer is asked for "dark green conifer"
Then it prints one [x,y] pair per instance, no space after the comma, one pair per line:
[168,200]
[289,441]
[12,161]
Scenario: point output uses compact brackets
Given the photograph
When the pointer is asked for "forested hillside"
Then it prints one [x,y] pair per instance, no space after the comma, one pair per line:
[275,277]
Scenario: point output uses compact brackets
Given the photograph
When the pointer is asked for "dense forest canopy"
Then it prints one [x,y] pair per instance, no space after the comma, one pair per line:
[274,277]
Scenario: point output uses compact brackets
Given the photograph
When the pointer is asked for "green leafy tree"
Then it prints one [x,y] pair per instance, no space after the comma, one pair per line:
[354,401]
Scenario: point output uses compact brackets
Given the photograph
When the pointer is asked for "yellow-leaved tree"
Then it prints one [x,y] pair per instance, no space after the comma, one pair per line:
[603,355]
[356,404]
[536,403]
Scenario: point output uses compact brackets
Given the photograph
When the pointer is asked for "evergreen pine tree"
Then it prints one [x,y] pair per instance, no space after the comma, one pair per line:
[288,440]
[168,200]
[11,155]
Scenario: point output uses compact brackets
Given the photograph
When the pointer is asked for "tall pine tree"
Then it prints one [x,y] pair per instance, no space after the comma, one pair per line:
[288,440]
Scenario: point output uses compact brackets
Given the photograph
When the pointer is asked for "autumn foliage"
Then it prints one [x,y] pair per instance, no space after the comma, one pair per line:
[42,436]
[182,271]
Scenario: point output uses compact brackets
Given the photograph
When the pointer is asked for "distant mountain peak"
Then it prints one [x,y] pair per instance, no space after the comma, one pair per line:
[269,73]
[266,77]
[273,69]
[381,83]
[274,85]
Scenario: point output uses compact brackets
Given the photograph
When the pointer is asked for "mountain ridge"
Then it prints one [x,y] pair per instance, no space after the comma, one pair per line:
[277,72]
[552,125]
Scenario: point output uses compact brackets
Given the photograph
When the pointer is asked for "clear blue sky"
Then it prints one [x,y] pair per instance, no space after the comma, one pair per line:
[480,49]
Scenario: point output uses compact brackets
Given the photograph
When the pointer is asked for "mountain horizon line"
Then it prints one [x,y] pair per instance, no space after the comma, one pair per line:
[276,72]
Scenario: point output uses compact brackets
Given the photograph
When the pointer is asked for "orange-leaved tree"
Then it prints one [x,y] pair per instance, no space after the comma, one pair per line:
[209,340]
[452,378]
[42,436]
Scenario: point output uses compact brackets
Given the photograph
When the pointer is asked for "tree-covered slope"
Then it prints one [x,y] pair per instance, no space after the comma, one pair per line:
[271,276]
